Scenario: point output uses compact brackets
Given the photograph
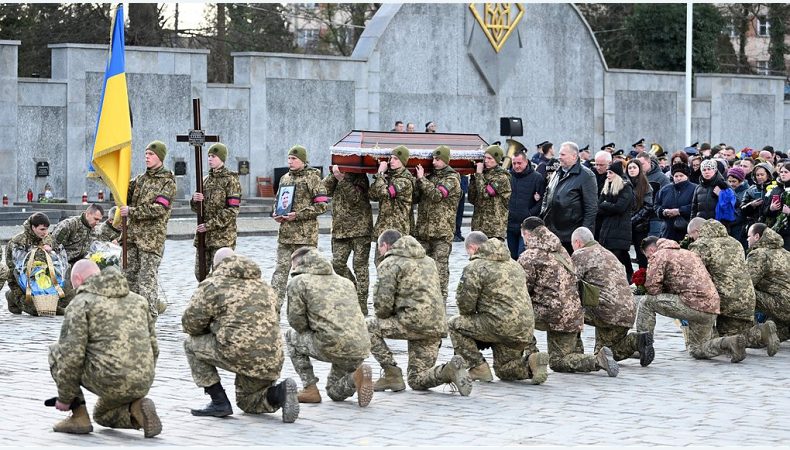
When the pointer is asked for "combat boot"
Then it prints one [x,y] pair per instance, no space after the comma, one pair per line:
[644,345]
[143,412]
[363,380]
[283,395]
[769,337]
[219,406]
[161,307]
[79,422]
[481,372]
[310,394]
[392,380]
[605,360]
[538,367]
[735,346]
[13,305]
[455,372]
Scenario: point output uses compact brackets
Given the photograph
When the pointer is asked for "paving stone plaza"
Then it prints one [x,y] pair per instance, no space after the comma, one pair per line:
[676,401]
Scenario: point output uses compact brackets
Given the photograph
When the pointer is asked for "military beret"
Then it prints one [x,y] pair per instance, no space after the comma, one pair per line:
[402,153]
[219,150]
[159,148]
[442,152]
[298,151]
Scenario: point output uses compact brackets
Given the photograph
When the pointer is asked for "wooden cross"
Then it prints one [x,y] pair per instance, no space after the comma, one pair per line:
[196,138]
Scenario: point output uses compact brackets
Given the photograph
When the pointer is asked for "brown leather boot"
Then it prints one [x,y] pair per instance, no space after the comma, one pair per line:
[538,367]
[309,394]
[79,422]
[481,372]
[363,380]
[392,380]
[735,346]
[769,337]
[144,415]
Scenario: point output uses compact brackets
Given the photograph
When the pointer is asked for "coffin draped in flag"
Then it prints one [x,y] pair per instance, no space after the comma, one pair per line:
[112,151]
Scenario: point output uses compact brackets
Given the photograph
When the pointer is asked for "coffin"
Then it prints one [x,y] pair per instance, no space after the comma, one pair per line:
[360,151]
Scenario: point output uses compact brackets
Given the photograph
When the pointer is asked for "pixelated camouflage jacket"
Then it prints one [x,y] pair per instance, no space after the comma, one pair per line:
[490,195]
[598,266]
[310,201]
[352,215]
[768,264]
[438,195]
[725,261]
[221,202]
[150,201]
[394,191]
[106,231]
[493,289]
[324,303]
[408,289]
[108,333]
[553,289]
[75,235]
[25,241]
[239,309]
[673,270]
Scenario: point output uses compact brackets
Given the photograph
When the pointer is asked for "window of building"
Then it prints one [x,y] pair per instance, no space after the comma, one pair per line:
[763,26]
[306,37]
[762,68]
[730,30]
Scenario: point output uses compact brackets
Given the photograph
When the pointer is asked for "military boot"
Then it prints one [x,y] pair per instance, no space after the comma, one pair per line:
[769,337]
[79,422]
[605,360]
[735,346]
[538,367]
[455,372]
[392,380]
[310,394]
[13,305]
[219,406]
[144,415]
[644,345]
[161,306]
[283,395]
[481,372]
[363,380]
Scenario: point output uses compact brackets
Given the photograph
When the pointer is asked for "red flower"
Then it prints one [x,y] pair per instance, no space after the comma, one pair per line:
[639,277]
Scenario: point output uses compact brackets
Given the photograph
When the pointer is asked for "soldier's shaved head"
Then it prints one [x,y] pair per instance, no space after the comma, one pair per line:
[221,254]
[473,241]
[82,270]
[389,237]
[582,236]
[694,226]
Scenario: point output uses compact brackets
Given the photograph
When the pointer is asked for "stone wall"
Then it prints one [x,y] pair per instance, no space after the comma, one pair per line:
[415,62]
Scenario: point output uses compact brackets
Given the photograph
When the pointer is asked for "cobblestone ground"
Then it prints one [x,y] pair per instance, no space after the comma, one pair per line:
[675,401]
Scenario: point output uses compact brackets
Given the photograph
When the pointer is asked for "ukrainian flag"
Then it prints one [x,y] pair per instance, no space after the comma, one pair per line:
[112,151]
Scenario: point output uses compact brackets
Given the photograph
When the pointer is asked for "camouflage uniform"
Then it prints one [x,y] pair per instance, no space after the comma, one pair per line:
[438,195]
[768,264]
[326,325]
[222,198]
[108,345]
[394,191]
[408,305]
[352,228]
[490,194]
[310,201]
[150,197]
[24,242]
[726,263]
[107,232]
[494,308]
[678,286]
[555,300]
[76,236]
[232,325]
[616,310]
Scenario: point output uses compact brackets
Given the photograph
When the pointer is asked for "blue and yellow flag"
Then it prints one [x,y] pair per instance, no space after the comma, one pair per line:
[112,151]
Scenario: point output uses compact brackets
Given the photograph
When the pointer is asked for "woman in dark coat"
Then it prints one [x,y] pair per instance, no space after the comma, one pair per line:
[614,213]
[706,196]
[643,209]
[673,203]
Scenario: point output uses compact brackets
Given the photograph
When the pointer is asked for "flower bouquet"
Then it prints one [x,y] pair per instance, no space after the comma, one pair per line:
[638,280]
[104,254]
[779,222]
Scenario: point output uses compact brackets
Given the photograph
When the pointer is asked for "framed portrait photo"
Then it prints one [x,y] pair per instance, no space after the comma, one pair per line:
[285,200]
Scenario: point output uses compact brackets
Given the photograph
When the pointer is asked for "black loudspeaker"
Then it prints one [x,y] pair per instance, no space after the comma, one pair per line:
[510,126]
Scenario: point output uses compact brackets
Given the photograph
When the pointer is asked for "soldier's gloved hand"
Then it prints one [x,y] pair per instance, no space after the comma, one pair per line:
[197,197]
[201,228]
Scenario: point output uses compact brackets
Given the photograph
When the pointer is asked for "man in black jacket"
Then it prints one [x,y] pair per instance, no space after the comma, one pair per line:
[527,189]
[571,199]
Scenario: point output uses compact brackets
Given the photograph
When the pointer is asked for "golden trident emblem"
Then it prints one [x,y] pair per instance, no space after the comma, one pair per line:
[498,21]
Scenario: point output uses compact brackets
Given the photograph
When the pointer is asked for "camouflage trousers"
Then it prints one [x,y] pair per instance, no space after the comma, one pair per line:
[17,303]
[701,342]
[564,356]
[340,382]
[423,352]
[733,326]
[509,361]
[775,308]
[439,250]
[622,343]
[204,358]
[281,270]
[341,250]
[112,408]
[142,273]
[210,252]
